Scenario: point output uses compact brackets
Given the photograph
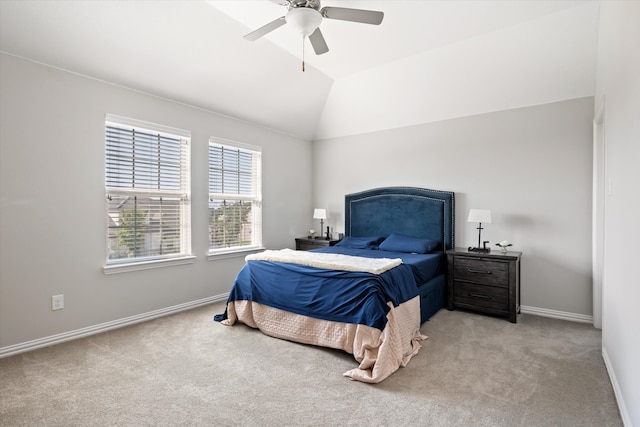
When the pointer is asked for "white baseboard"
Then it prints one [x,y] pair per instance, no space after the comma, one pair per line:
[622,407]
[563,315]
[127,321]
[103,327]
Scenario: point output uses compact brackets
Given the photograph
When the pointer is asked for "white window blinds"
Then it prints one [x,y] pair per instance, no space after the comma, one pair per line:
[139,159]
[147,185]
[235,200]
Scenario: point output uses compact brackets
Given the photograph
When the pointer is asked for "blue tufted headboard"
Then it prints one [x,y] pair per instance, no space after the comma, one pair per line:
[416,212]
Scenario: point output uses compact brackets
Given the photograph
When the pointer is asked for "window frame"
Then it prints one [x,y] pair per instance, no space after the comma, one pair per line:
[183,194]
[255,198]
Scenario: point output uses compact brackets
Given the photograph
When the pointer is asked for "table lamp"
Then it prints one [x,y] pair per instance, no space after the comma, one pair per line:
[320,214]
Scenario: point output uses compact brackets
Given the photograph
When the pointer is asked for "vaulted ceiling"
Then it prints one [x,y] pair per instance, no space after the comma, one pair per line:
[427,61]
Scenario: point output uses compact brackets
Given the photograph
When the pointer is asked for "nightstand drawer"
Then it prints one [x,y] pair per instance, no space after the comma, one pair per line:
[309,244]
[484,271]
[482,296]
[304,244]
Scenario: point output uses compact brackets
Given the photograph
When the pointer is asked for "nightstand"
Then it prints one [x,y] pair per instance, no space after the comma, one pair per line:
[305,244]
[484,282]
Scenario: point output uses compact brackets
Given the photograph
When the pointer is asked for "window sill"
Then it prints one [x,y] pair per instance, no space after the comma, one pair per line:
[233,253]
[146,265]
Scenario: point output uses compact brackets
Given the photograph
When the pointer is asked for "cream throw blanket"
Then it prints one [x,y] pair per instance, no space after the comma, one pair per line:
[326,260]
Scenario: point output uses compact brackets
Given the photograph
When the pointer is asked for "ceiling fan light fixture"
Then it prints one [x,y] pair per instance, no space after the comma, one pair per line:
[303,20]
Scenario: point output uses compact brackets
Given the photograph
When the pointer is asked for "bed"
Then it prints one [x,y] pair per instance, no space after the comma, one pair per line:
[369,294]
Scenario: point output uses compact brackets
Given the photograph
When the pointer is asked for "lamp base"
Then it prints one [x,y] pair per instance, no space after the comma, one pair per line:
[481,250]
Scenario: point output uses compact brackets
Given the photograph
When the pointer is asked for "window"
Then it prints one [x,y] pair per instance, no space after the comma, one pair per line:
[147,186]
[235,199]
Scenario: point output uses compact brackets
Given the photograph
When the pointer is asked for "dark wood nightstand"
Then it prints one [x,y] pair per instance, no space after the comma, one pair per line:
[485,282]
[305,244]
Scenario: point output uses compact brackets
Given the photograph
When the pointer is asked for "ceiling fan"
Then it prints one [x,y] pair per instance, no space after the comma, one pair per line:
[306,15]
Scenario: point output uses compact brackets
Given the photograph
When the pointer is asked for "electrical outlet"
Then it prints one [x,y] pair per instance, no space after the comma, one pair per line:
[57,302]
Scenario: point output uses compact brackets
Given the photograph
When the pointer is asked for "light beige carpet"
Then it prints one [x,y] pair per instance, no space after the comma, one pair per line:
[187,370]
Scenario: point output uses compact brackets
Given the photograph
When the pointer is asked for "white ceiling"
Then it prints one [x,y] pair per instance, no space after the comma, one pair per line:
[193,51]
[408,27]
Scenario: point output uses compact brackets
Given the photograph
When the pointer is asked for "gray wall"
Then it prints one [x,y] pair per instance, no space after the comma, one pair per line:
[618,89]
[52,206]
[530,166]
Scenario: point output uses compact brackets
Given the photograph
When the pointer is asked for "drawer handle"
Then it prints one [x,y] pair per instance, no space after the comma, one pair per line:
[483,296]
[471,270]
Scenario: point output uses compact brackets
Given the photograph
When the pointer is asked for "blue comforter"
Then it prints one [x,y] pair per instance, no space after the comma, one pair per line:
[341,296]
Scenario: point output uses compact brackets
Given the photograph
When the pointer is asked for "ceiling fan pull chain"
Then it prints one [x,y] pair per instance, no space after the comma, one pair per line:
[303,53]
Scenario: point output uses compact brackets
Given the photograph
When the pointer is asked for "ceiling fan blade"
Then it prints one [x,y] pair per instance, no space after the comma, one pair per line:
[265,29]
[354,15]
[318,43]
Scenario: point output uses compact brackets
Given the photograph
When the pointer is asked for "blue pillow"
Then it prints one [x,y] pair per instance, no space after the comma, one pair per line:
[400,243]
[360,242]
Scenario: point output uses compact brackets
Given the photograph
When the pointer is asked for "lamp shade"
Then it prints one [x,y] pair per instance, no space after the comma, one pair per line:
[303,20]
[479,215]
[319,214]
